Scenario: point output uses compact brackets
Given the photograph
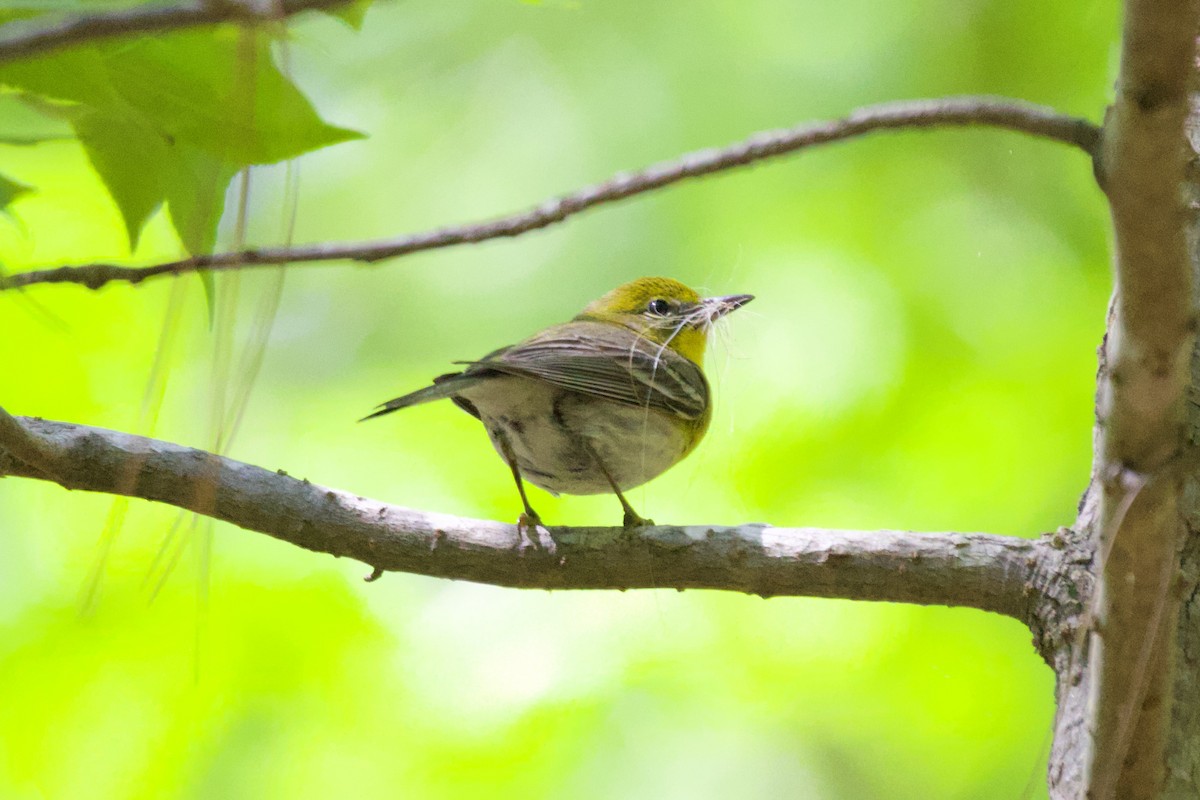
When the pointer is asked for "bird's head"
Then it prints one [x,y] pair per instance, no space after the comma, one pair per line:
[663,310]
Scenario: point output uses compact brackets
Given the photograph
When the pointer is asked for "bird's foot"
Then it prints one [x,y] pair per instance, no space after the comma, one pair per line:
[533,534]
[633,520]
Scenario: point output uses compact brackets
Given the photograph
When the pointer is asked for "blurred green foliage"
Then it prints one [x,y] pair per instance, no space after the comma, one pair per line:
[189,110]
[921,356]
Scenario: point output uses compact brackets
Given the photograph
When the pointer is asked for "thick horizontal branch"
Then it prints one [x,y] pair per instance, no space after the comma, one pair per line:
[17,439]
[994,573]
[23,39]
[954,111]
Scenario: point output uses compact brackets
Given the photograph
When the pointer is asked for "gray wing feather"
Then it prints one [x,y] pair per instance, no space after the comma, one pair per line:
[625,368]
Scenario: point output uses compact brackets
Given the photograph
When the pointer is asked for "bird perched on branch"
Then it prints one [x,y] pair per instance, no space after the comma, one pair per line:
[602,403]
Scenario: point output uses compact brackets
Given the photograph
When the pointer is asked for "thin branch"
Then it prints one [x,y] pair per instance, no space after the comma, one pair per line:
[920,114]
[24,39]
[994,573]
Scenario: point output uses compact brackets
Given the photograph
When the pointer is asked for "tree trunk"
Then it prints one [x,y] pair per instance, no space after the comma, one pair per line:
[1128,722]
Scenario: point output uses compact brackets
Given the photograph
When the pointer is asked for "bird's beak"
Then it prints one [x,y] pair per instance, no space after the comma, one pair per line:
[718,307]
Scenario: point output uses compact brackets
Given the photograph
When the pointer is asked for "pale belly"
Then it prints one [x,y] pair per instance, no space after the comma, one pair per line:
[546,428]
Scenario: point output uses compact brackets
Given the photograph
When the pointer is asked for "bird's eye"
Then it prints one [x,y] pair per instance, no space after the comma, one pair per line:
[659,306]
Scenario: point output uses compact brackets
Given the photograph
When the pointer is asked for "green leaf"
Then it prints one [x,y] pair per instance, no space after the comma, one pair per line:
[209,282]
[11,14]
[30,120]
[76,75]
[14,10]
[172,118]
[221,93]
[195,193]
[352,13]
[16,140]
[131,158]
[10,190]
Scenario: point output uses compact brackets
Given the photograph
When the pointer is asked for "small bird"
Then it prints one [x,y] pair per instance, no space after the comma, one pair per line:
[602,403]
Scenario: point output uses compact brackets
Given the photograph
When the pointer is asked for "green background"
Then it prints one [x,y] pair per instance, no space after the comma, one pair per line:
[920,356]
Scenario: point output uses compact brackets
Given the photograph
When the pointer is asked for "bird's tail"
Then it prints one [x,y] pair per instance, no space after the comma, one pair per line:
[443,386]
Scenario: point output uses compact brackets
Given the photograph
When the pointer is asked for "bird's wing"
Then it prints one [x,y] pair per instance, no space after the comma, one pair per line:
[605,361]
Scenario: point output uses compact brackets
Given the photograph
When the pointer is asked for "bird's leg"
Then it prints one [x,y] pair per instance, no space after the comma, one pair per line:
[632,518]
[529,520]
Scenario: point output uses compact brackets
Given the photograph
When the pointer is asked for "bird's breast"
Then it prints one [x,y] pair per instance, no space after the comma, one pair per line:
[553,434]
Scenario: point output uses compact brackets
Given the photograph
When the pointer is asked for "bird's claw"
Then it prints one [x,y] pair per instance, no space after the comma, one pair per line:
[632,521]
[528,524]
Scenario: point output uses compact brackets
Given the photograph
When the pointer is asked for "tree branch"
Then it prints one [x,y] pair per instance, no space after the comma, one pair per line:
[993,573]
[24,39]
[922,114]
[22,444]
[1134,509]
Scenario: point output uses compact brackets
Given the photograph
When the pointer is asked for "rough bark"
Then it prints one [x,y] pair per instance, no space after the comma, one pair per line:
[1008,575]
[1120,719]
